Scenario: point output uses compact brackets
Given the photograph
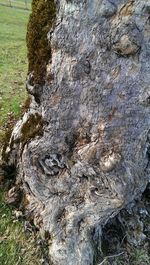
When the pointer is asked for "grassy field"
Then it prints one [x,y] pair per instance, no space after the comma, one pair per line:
[23,4]
[13,62]
[16,246]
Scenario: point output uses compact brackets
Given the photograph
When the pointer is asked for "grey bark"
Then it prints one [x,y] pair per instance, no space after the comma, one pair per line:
[93,156]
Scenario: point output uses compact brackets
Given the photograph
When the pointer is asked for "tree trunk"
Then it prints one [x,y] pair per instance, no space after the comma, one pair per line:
[82,148]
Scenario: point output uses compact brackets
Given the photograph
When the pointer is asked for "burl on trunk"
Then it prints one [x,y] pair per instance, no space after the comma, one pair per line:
[82,148]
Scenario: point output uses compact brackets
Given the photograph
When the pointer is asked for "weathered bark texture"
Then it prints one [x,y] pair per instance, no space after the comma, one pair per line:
[82,149]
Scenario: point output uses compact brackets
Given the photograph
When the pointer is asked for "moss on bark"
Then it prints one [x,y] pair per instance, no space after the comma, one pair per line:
[39,50]
[32,127]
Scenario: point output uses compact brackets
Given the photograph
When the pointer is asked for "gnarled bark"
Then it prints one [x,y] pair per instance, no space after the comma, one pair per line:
[82,149]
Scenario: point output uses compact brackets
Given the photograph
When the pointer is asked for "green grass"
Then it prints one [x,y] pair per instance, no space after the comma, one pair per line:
[24,4]
[13,61]
[16,246]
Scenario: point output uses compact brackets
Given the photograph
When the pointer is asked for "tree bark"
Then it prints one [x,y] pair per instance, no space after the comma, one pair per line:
[82,148]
